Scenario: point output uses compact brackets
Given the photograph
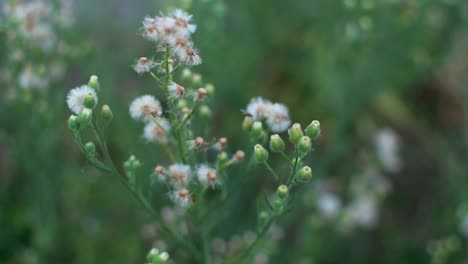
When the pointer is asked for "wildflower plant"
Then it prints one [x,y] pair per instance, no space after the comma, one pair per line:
[198,179]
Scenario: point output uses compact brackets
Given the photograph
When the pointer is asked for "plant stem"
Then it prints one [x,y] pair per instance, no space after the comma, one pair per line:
[270,169]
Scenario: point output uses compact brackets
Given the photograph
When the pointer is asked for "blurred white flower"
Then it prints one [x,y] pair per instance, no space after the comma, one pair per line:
[364,211]
[176,90]
[207,176]
[143,65]
[278,118]
[463,226]
[145,108]
[181,197]
[76,98]
[387,144]
[328,204]
[182,21]
[259,108]
[157,130]
[179,174]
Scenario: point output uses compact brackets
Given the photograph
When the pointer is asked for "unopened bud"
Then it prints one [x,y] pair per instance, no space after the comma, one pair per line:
[205,111]
[209,89]
[263,217]
[247,123]
[94,83]
[201,93]
[186,74]
[257,128]
[196,80]
[89,101]
[181,104]
[261,154]
[222,157]
[276,143]
[163,257]
[295,133]
[152,255]
[90,148]
[304,145]
[313,130]
[106,113]
[222,142]
[305,174]
[73,122]
[159,170]
[239,156]
[85,117]
[282,191]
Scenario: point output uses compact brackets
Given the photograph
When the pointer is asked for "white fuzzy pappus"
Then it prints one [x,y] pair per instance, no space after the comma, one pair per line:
[145,108]
[278,118]
[179,174]
[76,97]
[157,130]
[207,176]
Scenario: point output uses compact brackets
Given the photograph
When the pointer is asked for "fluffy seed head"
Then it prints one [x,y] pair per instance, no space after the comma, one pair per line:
[77,96]
[179,174]
[259,108]
[143,65]
[278,118]
[157,131]
[207,176]
[176,90]
[145,108]
[181,197]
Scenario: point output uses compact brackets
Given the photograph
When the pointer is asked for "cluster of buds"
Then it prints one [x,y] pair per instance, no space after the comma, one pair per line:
[156,257]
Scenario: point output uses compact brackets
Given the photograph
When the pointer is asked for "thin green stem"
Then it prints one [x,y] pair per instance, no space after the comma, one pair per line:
[270,169]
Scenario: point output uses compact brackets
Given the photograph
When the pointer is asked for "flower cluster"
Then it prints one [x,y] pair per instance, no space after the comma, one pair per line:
[35,52]
[196,177]
[171,34]
[275,115]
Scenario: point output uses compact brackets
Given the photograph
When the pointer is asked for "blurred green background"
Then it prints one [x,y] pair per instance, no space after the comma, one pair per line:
[386,78]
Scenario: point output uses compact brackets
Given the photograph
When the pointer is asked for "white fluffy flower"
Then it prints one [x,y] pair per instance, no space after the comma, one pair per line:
[189,56]
[259,108]
[207,176]
[329,205]
[364,212]
[157,130]
[76,97]
[143,65]
[182,21]
[30,79]
[181,197]
[278,118]
[463,226]
[150,30]
[145,108]
[166,28]
[387,146]
[176,90]
[179,174]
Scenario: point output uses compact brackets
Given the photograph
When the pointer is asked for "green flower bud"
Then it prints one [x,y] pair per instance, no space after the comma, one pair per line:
[223,157]
[90,148]
[313,130]
[186,75]
[257,128]
[94,83]
[295,133]
[304,145]
[205,111]
[106,113]
[73,122]
[260,153]
[209,89]
[163,257]
[263,217]
[282,191]
[89,101]
[276,143]
[278,203]
[85,117]
[152,255]
[181,104]
[247,123]
[196,80]
[305,174]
